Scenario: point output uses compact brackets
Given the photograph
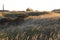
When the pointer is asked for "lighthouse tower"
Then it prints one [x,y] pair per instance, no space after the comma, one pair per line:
[3,9]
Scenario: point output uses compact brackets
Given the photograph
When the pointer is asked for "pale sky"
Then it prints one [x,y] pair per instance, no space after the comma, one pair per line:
[41,5]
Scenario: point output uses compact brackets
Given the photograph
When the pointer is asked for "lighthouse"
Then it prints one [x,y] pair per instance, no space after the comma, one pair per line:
[3,9]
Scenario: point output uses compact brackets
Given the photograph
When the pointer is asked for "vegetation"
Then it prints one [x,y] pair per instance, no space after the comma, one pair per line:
[41,27]
[36,13]
[56,10]
[29,9]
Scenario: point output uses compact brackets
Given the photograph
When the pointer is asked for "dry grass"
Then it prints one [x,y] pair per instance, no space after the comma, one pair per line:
[1,14]
[43,27]
[49,15]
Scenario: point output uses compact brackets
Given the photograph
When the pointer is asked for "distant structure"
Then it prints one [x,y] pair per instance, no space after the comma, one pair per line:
[3,9]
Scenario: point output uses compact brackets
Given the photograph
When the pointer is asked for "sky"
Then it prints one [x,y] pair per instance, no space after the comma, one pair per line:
[41,5]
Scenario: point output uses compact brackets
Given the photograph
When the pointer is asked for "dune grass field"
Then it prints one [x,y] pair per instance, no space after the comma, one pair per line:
[41,27]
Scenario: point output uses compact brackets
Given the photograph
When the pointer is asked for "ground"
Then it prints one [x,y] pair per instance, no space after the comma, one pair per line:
[42,27]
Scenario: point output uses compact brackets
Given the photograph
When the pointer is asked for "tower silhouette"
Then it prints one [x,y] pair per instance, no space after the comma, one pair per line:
[3,9]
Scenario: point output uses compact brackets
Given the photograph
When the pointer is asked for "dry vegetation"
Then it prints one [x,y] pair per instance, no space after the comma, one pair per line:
[1,14]
[42,27]
[49,15]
